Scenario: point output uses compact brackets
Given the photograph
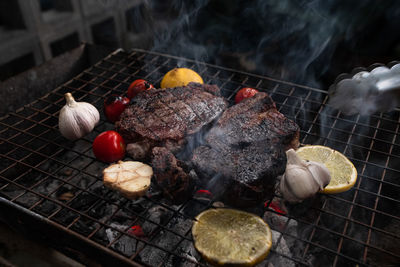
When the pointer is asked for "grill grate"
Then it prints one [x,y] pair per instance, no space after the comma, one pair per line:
[61,180]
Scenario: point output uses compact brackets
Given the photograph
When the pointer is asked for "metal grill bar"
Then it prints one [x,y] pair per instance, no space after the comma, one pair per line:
[377,197]
[45,174]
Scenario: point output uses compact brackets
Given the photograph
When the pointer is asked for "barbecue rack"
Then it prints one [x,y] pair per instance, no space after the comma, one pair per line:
[51,188]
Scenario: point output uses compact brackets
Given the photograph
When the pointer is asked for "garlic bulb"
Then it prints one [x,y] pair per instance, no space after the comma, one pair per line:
[302,179]
[77,119]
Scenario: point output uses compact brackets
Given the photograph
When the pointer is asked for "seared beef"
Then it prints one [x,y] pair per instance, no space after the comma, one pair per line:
[245,150]
[171,175]
[164,117]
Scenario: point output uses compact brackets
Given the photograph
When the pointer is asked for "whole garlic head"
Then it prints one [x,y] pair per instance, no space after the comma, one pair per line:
[302,179]
[77,119]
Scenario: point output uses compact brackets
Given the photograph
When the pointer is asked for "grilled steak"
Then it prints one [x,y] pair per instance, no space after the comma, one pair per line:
[164,117]
[245,150]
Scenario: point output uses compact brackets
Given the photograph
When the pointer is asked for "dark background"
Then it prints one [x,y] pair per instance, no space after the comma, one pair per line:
[304,41]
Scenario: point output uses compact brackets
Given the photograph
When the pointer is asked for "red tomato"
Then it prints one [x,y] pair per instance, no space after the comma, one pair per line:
[109,146]
[245,93]
[114,105]
[137,86]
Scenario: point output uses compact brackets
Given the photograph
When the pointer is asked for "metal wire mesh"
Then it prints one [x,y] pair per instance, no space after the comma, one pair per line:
[61,180]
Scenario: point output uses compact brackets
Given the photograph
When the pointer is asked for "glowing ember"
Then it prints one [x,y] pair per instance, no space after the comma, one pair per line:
[203,192]
[274,206]
[137,231]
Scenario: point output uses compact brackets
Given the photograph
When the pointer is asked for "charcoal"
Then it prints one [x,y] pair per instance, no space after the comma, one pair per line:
[112,234]
[187,256]
[27,199]
[65,216]
[31,178]
[98,188]
[48,186]
[46,208]
[96,169]
[283,249]
[194,207]
[157,215]
[11,191]
[125,244]
[174,242]
[152,256]
[82,181]
[83,201]
[185,249]
[137,206]
[282,224]
[84,226]
[180,225]
[101,237]
[81,162]
[101,210]
[167,240]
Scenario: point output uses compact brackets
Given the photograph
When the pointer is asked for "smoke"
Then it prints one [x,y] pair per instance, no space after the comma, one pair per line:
[172,27]
[309,42]
[293,40]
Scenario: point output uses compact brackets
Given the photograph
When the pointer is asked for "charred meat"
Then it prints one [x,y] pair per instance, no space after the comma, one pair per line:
[172,175]
[165,117]
[245,150]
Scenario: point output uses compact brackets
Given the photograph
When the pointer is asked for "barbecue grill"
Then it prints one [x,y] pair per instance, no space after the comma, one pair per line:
[52,189]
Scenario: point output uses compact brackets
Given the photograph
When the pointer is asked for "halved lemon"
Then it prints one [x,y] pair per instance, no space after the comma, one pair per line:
[180,77]
[343,173]
[231,237]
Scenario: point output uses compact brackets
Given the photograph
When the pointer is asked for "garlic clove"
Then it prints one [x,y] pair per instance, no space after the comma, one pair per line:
[77,119]
[298,184]
[294,159]
[320,173]
[302,179]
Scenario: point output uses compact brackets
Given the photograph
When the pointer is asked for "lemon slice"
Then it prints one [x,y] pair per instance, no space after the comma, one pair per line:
[343,173]
[231,237]
[180,77]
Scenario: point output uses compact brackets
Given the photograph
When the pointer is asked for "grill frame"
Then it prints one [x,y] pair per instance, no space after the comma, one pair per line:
[320,125]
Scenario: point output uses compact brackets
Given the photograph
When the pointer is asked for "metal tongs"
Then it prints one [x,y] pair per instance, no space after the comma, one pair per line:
[365,92]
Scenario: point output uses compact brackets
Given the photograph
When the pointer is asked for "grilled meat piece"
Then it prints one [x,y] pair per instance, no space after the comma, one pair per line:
[172,175]
[245,150]
[164,117]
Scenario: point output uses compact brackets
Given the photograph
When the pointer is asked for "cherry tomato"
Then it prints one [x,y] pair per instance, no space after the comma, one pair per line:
[244,93]
[137,86]
[109,146]
[114,105]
